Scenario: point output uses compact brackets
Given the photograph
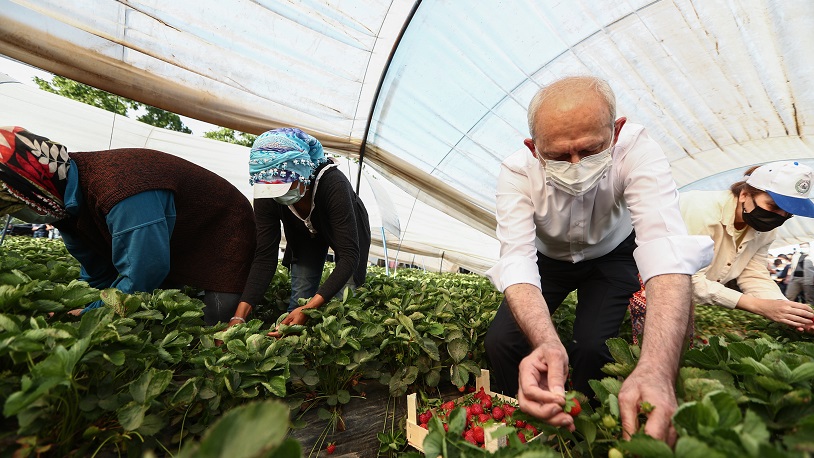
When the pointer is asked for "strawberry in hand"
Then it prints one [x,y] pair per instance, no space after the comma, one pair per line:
[572,406]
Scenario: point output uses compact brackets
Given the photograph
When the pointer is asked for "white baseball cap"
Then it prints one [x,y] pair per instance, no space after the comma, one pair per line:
[788,183]
[275,187]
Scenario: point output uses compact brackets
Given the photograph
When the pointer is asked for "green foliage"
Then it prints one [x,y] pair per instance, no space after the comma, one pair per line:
[87,94]
[111,102]
[144,374]
[250,431]
[164,119]
[225,134]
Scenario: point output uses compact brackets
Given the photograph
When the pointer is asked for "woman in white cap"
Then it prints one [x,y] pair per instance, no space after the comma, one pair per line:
[742,222]
[296,185]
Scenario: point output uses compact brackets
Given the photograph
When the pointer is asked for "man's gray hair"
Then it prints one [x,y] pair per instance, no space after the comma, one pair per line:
[569,84]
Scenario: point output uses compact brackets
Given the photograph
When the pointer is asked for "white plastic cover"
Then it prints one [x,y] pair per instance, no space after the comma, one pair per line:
[720,85]
[415,233]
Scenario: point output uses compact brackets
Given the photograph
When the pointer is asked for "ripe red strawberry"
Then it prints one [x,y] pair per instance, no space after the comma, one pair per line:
[471,389]
[476,409]
[521,436]
[446,427]
[478,433]
[424,425]
[425,417]
[484,417]
[330,448]
[520,424]
[486,403]
[509,409]
[470,437]
[498,414]
[572,407]
[532,429]
[447,406]
[462,388]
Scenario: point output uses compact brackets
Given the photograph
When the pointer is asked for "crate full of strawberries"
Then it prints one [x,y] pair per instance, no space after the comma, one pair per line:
[485,410]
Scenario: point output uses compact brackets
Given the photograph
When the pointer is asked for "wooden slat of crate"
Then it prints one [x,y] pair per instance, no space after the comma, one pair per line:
[416,434]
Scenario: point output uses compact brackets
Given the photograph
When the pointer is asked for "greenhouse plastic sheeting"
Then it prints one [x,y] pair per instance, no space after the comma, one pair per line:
[718,84]
[412,228]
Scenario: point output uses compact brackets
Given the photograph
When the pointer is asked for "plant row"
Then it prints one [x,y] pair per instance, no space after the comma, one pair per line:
[143,373]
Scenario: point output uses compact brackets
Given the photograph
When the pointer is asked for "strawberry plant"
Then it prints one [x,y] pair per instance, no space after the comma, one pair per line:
[143,373]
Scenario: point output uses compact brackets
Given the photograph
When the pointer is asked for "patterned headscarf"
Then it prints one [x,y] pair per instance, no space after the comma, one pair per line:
[33,172]
[284,154]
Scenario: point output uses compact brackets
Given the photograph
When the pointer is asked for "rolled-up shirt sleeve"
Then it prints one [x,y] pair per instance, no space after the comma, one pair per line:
[706,291]
[516,232]
[664,246]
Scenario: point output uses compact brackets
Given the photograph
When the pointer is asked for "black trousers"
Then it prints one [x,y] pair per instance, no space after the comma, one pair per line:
[604,286]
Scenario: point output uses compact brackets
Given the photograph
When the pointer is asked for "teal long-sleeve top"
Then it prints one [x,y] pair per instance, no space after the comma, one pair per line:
[140,228]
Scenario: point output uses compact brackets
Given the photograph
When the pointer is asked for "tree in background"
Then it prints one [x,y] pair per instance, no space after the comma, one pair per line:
[231,136]
[110,102]
[162,118]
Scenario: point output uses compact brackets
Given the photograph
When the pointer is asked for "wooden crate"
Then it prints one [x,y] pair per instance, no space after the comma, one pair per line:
[416,434]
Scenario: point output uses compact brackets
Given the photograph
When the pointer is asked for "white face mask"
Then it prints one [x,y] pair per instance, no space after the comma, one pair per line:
[577,179]
[30,216]
[291,197]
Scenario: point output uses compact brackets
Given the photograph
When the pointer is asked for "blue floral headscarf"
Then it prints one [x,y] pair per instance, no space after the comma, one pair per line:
[284,154]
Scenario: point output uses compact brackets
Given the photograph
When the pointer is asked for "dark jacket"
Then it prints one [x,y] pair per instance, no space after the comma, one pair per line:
[341,222]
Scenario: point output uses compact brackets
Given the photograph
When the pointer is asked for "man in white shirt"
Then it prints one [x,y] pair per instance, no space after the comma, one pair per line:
[566,216]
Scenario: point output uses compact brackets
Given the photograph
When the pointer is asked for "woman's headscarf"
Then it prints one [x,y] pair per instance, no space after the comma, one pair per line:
[282,153]
[33,173]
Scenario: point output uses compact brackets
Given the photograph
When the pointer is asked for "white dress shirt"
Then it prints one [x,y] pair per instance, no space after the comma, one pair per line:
[637,192]
[712,213]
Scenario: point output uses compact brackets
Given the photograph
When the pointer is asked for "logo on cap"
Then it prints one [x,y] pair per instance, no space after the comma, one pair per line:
[802,186]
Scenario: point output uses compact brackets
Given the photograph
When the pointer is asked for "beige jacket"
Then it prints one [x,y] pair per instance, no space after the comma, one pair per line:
[712,213]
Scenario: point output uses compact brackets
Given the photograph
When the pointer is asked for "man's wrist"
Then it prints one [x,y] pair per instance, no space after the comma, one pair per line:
[548,338]
[657,369]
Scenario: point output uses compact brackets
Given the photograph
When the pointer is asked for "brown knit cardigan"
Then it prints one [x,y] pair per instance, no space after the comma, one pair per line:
[213,242]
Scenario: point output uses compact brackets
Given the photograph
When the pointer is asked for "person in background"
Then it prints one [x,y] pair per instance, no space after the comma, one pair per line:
[773,266]
[743,222]
[296,185]
[566,214]
[782,274]
[808,280]
[39,231]
[135,219]
[780,271]
[53,233]
[795,279]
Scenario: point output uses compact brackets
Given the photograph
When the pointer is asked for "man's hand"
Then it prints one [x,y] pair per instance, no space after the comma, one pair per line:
[75,312]
[542,384]
[294,317]
[659,392]
[794,314]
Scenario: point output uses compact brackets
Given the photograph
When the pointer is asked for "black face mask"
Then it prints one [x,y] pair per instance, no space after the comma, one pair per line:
[762,220]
